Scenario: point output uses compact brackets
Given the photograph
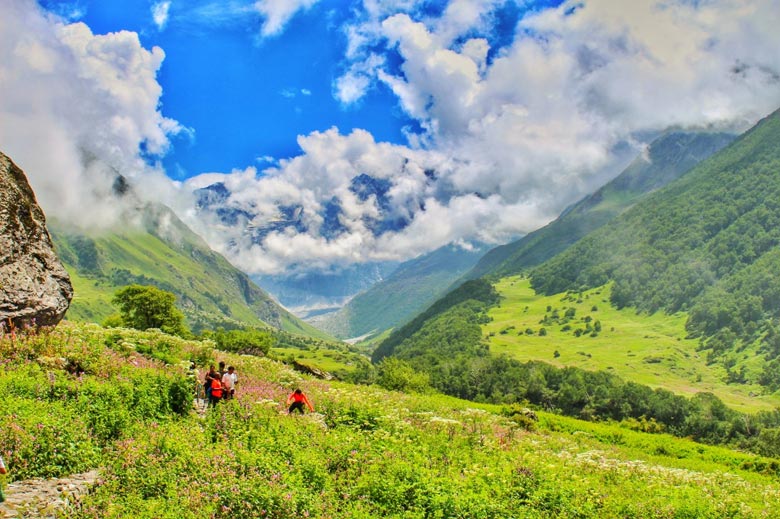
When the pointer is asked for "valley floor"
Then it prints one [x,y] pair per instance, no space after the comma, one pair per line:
[648,349]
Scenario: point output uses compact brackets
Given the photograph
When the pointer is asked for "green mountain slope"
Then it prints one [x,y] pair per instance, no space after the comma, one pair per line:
[410,289]
[668,157]
[156,248]
[448,324]
[706,244]
[704,248]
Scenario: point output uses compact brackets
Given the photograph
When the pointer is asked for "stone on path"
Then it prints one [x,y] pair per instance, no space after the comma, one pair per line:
[43,498]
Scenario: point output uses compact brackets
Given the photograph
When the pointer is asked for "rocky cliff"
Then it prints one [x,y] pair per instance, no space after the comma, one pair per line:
[34,287]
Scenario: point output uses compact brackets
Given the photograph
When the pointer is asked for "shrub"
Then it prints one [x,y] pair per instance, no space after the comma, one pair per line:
[398,375]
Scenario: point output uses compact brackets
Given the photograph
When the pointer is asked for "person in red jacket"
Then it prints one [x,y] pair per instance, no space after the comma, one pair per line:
[296,401]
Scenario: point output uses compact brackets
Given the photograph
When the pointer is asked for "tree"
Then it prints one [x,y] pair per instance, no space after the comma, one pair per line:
[143,307]
[247,341]
[398,375]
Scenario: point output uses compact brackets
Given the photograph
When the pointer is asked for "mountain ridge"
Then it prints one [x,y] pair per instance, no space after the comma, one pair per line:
[157,248]
[667,157]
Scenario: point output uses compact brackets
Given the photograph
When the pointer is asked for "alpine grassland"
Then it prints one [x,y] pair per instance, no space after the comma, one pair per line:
[584,330]
[157,249]
[79,397]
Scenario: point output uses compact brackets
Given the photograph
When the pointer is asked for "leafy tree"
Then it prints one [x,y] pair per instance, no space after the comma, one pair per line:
[397,375]
[143,307]
[247,341]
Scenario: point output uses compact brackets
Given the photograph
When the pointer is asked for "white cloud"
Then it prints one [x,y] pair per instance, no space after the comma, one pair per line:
[512,136]
[160,13]
[438,210]
[277,13]
[75,109]
[508,137]
[353,85]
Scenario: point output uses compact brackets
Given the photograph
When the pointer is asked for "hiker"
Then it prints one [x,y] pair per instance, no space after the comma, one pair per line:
[229,380]
[211,376]
[296,401]
[221,369]
[194,376]
[216,391]
[3,470]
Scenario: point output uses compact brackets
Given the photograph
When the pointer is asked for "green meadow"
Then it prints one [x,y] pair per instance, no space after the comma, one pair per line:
[328,359]
[82,397]
[648,349]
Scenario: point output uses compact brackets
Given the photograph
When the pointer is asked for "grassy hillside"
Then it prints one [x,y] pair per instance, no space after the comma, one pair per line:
[708,243]
[156,248]
[475,293]
[409,290]
[667,158]
[648,349]
[365,453]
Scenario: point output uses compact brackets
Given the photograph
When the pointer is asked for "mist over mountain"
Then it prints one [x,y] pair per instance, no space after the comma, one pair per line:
[311,293]
[154,247]
[665,159]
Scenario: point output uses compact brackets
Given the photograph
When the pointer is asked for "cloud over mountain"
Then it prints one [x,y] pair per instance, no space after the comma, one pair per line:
[515,110]
[76,108]
[509,131]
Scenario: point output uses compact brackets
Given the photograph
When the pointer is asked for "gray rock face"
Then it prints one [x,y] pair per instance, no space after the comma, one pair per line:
[35,289]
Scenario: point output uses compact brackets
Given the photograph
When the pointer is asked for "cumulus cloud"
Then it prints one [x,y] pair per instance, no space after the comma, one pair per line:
[72,139]
[423,192]
[505,134]
[277,13]
[510,135]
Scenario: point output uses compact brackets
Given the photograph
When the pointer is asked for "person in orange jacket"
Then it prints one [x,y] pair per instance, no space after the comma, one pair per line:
[296,401]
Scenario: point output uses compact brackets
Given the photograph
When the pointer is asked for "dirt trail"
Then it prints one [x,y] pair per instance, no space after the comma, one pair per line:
[42,498]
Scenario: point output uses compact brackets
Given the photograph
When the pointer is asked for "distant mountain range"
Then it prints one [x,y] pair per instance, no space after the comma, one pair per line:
[314,293]
[156,248]
[411,288]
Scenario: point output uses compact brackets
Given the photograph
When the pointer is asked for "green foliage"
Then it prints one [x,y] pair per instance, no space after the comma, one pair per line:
[370,453]
[144,307]
[43,438]
[396,375]
[480,292]
[706,243]
[247,341]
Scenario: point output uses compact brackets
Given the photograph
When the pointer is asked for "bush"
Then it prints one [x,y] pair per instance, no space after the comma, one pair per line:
[398,375]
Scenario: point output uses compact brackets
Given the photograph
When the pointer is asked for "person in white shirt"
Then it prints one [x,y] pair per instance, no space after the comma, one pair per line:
[229,380]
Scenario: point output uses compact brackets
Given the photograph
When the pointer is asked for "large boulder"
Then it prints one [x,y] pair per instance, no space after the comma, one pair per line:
[35,289]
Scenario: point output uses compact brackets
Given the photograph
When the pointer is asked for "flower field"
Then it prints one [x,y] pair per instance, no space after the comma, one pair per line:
[81,397]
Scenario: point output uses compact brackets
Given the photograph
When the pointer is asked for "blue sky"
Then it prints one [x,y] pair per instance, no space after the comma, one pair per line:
[474,120]
[244,96]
